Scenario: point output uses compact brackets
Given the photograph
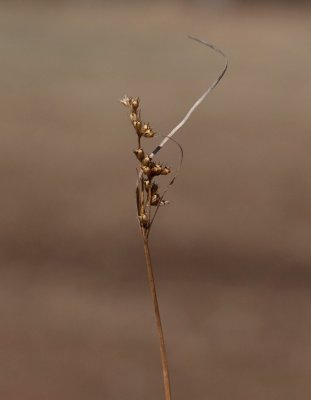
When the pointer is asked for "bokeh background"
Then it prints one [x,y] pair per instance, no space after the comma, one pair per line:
[232,252]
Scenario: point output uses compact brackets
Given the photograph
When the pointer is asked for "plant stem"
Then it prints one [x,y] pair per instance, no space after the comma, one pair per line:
[164,362]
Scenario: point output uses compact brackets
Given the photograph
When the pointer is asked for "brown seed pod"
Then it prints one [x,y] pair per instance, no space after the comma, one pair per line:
[148,133]
[145,127]
[146,170]
[143,220]
[140,154]
[133,117]
[137,125]
[146,161]
[134,103]
[156,169]
[165,171]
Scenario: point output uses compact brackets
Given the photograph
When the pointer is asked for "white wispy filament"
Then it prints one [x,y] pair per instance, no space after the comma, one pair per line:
[200,99]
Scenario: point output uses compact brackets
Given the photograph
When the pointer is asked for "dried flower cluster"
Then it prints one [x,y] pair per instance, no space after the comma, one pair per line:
[147,189]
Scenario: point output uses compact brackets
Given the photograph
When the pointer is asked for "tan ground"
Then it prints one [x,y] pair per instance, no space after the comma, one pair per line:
[232,251]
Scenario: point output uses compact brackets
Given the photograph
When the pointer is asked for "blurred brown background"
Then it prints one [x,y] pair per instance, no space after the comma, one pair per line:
[232,252]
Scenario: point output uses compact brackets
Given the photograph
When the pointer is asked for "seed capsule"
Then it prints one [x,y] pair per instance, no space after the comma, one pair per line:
[140,154]
[143,220]
[165,171]
[146,170]
[146,161]
[135,103]
[133,116]
[145,127]
[148,133]
[157,169]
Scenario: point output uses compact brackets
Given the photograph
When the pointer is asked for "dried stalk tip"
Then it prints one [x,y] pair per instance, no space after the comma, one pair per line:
[125,101]
[142,128]
[130,102]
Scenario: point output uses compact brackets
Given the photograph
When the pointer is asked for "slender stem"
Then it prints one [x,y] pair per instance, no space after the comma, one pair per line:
[164,362]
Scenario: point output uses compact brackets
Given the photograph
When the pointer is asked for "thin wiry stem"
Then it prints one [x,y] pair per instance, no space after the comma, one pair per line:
[164,361]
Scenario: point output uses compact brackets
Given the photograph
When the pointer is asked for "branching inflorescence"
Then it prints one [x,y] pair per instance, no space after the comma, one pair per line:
[147,191]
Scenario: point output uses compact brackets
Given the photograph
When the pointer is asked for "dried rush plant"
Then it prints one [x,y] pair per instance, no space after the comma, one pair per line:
[148,196]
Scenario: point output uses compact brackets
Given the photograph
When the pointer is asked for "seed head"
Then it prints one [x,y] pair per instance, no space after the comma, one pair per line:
[130,102]
[147,190]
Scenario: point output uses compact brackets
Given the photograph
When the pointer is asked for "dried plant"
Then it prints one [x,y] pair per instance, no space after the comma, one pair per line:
[148,197]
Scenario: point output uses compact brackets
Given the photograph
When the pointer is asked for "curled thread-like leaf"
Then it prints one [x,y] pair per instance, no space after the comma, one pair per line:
[200,99]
